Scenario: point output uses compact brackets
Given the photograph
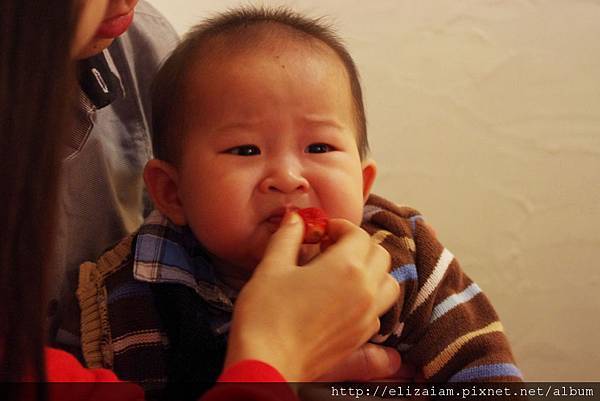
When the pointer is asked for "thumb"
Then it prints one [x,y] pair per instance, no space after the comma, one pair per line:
[284,245]
[366,363]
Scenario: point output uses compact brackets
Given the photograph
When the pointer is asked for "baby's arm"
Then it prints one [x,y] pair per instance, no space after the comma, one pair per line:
[450,327]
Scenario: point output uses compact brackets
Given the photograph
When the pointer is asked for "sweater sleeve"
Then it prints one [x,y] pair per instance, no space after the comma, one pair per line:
[451,329]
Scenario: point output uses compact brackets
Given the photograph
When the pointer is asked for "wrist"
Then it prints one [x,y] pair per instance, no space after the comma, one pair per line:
[267,352]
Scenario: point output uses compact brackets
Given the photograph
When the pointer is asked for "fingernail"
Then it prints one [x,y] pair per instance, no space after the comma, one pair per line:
[291,218]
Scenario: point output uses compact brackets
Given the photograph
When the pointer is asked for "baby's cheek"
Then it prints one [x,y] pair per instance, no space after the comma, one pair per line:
[345,202]
[218,239]
[351,213]
[254,249]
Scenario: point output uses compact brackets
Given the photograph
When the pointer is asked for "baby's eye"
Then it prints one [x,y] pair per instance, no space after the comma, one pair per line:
[318,148]
[244,150]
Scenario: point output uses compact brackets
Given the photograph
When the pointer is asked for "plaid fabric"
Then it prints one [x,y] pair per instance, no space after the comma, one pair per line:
[166,253]
[446,325]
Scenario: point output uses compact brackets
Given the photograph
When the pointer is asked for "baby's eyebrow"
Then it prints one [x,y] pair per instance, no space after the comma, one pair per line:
[232,127]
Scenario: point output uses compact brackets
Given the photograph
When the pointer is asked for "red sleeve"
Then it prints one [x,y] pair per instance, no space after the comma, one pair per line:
[70,381]
[251,371]
[63,367]
[245,381]
[251,381]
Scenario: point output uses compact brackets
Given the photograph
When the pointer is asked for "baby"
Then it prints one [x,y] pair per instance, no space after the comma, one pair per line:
[256,113]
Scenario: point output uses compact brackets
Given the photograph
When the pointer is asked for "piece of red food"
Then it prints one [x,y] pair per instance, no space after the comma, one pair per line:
[315,224]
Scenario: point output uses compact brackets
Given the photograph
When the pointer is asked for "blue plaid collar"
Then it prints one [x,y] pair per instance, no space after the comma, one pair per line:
[166,253]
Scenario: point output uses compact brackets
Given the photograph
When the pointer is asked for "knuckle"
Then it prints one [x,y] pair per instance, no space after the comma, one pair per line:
[366,301]
[363,302]
[384,260]
[395,286]
[353,271]
[379,249]
[364,236]
[360,235]
[391,283]
[385,255]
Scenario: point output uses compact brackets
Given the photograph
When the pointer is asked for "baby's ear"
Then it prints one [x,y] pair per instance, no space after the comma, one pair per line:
[162,182]
[369,172]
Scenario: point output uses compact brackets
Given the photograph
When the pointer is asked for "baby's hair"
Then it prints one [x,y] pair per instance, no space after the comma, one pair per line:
[247,25]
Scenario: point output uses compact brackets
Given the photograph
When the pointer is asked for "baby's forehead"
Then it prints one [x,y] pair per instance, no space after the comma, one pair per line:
[241,59]
[268,38]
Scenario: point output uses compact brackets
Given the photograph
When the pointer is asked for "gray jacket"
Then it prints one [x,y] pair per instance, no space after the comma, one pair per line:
[101,197]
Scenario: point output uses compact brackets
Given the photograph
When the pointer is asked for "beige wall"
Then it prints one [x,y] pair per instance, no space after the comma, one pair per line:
[485,115]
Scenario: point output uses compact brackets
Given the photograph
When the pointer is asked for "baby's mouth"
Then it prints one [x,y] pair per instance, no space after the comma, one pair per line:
[275,220]
[277,215]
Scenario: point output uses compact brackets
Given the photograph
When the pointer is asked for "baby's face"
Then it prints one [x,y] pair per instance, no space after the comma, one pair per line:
[267,132]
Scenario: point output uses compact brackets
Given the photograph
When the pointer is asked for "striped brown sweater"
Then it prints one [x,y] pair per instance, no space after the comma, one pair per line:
[147,331]
[447,326]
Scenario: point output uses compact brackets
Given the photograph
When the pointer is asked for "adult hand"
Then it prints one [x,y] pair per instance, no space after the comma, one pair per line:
[371,362]
[304,321]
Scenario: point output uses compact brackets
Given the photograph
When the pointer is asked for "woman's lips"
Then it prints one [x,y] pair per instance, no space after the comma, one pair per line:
[115,26]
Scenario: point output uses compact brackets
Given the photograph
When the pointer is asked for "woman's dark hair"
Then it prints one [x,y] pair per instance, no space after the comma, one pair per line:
[36,98]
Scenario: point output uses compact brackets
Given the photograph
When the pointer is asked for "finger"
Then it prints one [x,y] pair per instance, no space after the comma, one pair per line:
[340,228]
[406,373]
[373,329]
[284,245]
[379,261]
[384,284]
[389,292]
[366,363]
[346,238]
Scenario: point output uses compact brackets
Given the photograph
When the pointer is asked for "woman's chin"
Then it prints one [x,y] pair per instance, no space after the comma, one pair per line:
[92,48]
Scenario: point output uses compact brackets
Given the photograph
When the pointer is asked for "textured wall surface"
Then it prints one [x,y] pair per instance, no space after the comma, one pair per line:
[485,115]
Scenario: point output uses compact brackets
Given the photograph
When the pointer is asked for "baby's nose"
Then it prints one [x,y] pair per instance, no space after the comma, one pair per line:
[284,180]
